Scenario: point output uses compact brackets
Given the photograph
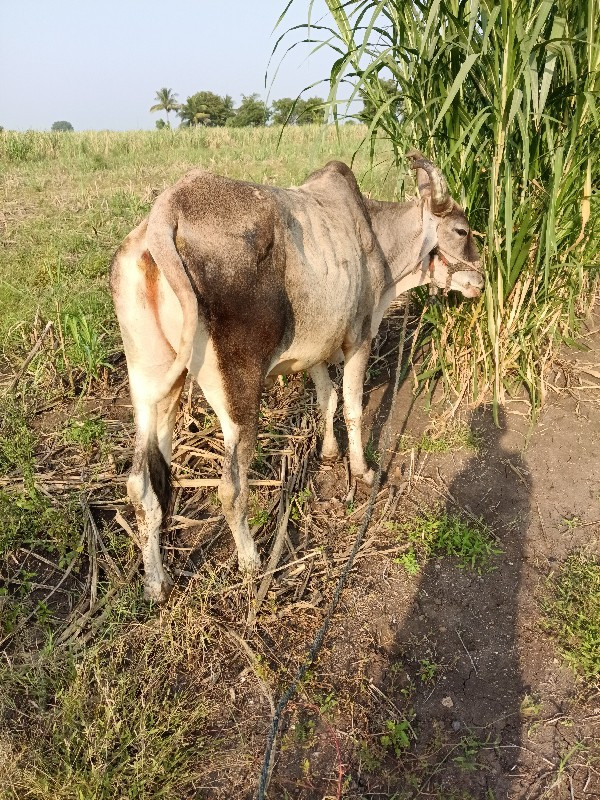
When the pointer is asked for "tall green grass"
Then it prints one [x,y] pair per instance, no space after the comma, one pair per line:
[503,97]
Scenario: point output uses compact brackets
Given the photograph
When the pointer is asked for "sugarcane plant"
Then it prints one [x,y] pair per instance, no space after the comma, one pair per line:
[502,96]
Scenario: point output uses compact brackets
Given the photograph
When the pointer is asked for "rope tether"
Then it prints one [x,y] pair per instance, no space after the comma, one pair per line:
[321,633]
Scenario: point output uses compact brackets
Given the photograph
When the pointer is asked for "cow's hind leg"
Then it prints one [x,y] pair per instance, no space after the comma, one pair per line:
[327,399]
[354,375]
[149,484]
[240,442]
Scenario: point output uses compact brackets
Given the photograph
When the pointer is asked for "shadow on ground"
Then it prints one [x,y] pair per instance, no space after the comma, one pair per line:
[464,625]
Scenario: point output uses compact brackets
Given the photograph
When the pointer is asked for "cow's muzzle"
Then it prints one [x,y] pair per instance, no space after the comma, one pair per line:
[465,276]
[469,281]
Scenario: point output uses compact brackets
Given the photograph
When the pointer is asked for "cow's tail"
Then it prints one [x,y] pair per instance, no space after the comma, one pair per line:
[160,239]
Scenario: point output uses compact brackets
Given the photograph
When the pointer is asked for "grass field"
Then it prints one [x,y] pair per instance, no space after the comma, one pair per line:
[67,202]
[103,696]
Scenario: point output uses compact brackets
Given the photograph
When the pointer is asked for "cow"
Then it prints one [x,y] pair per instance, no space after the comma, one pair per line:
[238,283]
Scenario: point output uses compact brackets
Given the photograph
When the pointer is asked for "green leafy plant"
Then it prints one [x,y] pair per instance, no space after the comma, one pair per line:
[328,704]
[298,502]
[303,731]
[430,534]
[571,613]
[258,518]
[469,747]
[85,432]
[410,562]
[427,670]
[397,737]
[372,455]
[503,97]
[88,348]
[369,757]
[259,515]
[259,457]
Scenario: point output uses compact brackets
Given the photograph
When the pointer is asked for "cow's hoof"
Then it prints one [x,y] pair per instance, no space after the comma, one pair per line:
[331,457]
[367,477]
[249,564]
[158,591]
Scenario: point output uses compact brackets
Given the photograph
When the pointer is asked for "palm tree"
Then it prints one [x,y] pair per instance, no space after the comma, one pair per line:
[166,102]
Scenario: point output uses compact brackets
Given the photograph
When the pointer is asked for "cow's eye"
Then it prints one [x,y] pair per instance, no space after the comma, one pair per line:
[461,231]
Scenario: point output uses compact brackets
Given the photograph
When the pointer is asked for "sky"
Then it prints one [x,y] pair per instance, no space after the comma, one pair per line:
[99,64]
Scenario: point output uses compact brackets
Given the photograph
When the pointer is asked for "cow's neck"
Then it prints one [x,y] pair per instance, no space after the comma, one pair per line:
[406,234]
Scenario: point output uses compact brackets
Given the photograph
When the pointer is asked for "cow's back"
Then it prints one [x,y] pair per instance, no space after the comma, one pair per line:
[284,274]
[334,269]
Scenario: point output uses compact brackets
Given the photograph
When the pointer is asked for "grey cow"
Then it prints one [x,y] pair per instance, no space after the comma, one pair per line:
[237,283]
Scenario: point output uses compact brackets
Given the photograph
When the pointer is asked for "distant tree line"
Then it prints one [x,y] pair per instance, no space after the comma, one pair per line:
[210,109]
[62,125]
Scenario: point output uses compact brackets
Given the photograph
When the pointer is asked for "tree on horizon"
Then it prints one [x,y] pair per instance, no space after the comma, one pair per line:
[61,125]
[252,112]
[166,102]
[206,108]
[298,112]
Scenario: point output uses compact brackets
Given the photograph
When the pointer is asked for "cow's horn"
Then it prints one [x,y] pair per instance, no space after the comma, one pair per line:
[441,202]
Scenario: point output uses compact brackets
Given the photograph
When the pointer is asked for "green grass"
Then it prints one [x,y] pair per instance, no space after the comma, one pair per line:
[434,533]
[29,520]
[114,723]
[17,441]
[68,202]
[85,432]
[571,613]
[453,437]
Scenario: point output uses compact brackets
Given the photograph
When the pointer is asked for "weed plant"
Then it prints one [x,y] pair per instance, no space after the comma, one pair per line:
[434,533]
[571,613]
[453,437]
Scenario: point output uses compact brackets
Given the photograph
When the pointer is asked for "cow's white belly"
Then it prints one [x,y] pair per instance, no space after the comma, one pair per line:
[322,323]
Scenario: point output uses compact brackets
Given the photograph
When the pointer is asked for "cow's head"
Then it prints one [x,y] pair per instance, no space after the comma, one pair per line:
[448,246]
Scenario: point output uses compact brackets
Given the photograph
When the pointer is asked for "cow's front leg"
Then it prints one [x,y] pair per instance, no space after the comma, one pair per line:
[327,399]
[354,375]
